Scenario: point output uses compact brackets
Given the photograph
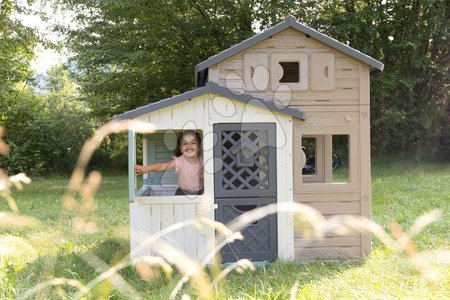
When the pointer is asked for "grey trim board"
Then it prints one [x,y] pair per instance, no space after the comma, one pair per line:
[210,88]
[289,22]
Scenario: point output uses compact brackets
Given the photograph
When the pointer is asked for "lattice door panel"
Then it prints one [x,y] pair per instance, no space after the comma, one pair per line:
[260,238]
[247,155]
[244,180]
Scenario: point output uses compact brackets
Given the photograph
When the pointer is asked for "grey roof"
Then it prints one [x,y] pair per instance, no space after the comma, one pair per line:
[212,88]
[289,22]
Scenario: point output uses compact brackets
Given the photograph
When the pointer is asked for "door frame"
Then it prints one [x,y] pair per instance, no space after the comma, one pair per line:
[233,196]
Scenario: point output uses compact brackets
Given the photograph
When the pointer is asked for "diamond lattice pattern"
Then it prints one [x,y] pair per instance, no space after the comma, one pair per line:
[256,235]
[250,146]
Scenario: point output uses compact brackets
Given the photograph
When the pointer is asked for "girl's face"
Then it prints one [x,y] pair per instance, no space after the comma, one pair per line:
[189,146]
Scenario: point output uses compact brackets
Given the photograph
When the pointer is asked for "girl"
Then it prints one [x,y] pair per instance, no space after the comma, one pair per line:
[187,162]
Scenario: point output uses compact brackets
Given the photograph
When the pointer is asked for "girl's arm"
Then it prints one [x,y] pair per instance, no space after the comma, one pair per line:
[157,167]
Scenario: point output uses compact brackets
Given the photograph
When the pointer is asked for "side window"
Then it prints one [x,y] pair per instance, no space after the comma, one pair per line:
[325,159]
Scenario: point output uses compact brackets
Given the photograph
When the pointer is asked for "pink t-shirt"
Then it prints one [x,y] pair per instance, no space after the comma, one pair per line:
[190,177]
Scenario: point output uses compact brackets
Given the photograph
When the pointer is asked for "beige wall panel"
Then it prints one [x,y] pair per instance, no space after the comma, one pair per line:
[325,197]
[288,32]
[347,83]
[328,253]
[338,94]
[365,173]
[256,77]
[223,75]
[326,208]
[322,108]
[331,119]
[302,230]
[364,82]
[324,102]
[288,42]
[340,82]
[342,71]
[321,73]
[233,63]
[346,64]
[347,74]
[334,241]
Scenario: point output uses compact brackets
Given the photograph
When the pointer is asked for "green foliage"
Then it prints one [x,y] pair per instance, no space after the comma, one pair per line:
[45,132]
[409,99]
[130,53]
[17,43]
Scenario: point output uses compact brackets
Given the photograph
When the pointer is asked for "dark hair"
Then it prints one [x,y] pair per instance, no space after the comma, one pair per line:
[180,137]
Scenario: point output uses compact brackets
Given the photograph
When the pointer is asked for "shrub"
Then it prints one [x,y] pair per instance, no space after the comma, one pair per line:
[45,134]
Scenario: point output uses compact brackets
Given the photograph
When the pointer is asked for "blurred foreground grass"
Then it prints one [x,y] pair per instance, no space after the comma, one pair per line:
[401,192]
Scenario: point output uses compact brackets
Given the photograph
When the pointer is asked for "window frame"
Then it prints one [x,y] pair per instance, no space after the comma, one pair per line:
[146,160]
[276,69]
[300,185]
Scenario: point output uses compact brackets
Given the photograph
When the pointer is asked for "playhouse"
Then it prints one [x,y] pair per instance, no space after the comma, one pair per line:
[263,107]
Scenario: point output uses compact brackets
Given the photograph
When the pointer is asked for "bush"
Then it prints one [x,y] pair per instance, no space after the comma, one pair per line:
[45,134]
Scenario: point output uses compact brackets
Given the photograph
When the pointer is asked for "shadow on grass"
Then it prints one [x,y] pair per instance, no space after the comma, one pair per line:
[71,265]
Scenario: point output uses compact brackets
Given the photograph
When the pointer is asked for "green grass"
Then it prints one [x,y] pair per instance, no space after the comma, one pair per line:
[401,192]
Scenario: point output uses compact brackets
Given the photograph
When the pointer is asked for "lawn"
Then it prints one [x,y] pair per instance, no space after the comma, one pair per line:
[401,192]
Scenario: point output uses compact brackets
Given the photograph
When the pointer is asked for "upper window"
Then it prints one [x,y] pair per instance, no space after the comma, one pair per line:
[290,71]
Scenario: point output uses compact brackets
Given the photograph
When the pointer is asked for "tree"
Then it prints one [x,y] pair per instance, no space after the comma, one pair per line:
[130,53]
[17,43]
[45,132]
[410,98]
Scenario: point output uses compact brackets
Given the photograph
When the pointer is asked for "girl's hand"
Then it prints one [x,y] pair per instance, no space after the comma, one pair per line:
[139,169]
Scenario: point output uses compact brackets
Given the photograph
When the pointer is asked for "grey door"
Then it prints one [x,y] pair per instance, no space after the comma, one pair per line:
[245,179]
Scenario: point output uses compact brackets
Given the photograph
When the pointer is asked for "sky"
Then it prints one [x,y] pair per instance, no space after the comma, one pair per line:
[44,57]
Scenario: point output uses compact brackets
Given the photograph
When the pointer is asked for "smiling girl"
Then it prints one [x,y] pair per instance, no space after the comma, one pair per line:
[187,162]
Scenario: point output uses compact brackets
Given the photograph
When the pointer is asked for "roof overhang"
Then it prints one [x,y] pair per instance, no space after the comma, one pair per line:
[289,22]
[211,88]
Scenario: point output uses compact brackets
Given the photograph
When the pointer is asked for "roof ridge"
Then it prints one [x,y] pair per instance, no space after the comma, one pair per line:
[289,22]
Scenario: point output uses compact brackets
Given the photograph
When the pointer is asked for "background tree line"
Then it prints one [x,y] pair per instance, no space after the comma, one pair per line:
[130,53]
[46,130]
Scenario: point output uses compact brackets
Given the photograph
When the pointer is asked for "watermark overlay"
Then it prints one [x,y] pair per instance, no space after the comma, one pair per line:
[244,144]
